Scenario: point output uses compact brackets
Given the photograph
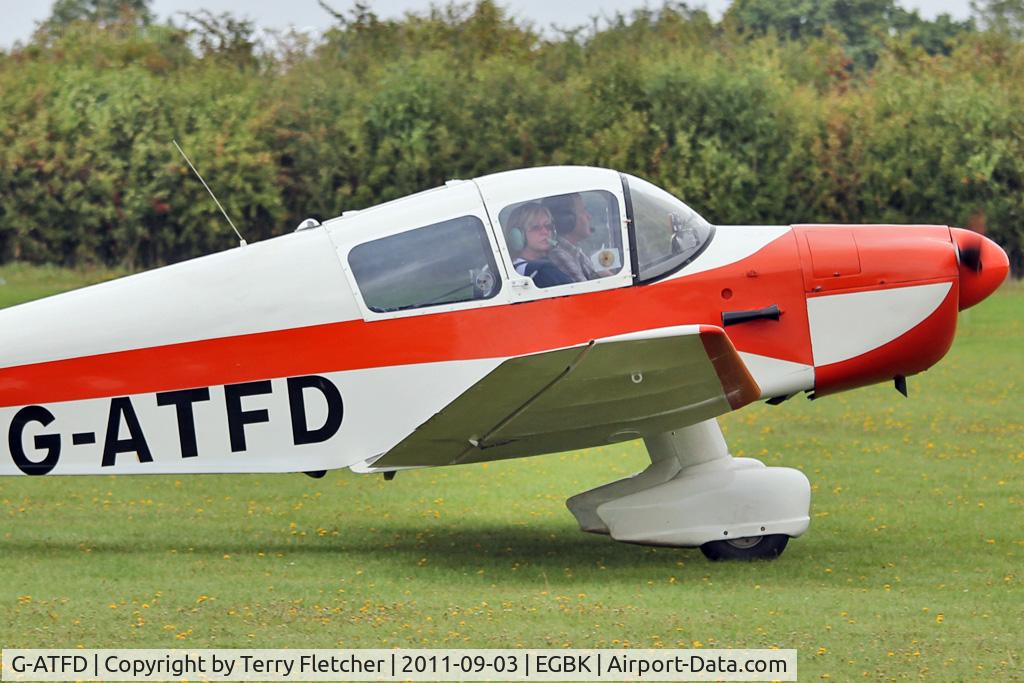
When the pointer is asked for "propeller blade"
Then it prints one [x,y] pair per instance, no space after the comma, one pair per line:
[970,255]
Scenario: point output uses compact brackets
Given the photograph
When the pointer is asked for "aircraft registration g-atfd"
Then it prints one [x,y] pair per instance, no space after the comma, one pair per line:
[521,313]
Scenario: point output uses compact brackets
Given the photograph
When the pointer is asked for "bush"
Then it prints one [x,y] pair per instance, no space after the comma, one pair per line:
[747,129]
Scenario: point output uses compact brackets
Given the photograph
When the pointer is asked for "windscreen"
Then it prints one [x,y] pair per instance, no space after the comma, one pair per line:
[668,233]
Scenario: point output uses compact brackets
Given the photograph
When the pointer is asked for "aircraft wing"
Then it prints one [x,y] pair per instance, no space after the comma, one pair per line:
[605,391]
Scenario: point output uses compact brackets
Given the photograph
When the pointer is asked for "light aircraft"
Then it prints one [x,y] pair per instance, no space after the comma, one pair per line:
[440,329]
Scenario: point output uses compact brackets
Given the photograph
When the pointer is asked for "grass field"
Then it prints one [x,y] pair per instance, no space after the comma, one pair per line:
[912,567]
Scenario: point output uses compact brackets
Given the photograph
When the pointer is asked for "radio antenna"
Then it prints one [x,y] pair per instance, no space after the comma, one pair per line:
[241,241]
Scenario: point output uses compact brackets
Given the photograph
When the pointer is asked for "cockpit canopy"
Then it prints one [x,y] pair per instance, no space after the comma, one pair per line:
[551,231]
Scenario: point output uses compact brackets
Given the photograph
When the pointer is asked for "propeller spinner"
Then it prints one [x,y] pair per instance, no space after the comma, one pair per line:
[983,266]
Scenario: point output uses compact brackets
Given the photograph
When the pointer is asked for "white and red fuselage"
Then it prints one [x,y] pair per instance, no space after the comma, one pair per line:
[268,358]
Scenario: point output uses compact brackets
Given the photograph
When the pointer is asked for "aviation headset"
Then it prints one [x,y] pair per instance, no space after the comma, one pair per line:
[516,240]
[516,236]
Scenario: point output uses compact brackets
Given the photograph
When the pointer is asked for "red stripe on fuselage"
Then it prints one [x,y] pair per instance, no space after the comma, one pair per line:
[772,275]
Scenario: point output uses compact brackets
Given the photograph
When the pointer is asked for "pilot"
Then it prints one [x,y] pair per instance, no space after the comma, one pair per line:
[573,225]
[531,235]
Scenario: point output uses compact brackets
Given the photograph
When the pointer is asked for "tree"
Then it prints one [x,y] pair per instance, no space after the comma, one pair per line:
[226,36]
[864,23]
[1003,16]
[102,12]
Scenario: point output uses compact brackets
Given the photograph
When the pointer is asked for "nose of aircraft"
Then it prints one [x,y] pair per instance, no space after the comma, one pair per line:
[983,266]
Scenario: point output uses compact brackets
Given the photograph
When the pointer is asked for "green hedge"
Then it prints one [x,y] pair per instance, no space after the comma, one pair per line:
[746,129]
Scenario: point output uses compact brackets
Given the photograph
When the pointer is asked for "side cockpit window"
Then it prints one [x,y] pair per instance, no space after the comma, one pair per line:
[443,263]
[668,233]
[566,238]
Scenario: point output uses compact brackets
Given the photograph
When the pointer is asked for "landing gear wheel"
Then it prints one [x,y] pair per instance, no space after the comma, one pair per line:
[766,547]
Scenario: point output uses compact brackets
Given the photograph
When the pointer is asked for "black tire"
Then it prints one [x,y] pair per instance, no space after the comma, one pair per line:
[766,547]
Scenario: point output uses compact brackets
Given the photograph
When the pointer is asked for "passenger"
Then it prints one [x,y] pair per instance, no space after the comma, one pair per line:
[530,239]
[573,225]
